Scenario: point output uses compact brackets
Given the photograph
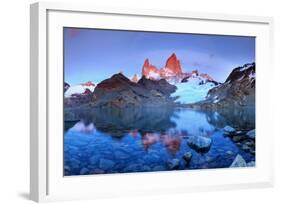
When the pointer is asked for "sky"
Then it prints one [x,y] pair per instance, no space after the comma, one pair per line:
[95,55]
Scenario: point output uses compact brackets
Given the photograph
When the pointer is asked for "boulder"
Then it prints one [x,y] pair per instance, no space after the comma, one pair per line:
[187,157]
[251,134]
[199,143]
[106,164]
[229,130]
[239,161]
[251,164]
[174,164]
[84,171]
[238,138]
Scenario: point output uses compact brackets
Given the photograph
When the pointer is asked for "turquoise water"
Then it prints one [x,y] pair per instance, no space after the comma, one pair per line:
[103,141]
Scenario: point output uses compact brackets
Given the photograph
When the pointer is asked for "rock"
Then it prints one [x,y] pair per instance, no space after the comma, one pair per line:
[94,159]
[135,78]
[237,91]
[120,92]
[133,168]
[199,143]
[251,134]
[238,133]
[173,64]
[161,86]
[245,147]
[173,164]
[251,164]
[84,171]
[106,164]
[74,163]
[121,155]
[66,86]
[97,171]
[250,143]
[146,168]
[158,168]
[229,152]
[239,162]
[187,157]
[229,130]
[66,168]
[238,138]
[172,68]
[253,151]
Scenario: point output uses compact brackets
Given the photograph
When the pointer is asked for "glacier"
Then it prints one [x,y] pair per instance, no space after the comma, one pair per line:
[194,90]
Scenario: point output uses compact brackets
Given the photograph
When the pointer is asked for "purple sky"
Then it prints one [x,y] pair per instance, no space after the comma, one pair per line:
[94,55]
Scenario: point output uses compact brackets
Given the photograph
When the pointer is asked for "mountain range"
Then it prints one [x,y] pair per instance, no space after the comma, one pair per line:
[167,86]
[172,71]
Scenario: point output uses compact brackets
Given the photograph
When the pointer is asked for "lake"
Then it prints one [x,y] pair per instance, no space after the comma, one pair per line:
[101,141]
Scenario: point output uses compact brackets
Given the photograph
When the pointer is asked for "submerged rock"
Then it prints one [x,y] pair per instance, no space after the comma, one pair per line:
[229,152]
[132,168]
[106,164]
[158,168]
[239,161]
[238,138]
[229,130]
[251,134]
[84,171]
[251,164]
[245,147]
[199,143]
[187,157]
[174,164]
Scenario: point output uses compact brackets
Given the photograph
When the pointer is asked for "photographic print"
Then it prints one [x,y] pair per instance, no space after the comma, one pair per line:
[142,101]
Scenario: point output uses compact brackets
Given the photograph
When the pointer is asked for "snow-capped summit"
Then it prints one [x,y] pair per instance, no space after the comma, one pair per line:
[80,89]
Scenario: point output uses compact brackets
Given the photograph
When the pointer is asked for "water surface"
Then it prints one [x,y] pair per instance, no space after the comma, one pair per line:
[98,141]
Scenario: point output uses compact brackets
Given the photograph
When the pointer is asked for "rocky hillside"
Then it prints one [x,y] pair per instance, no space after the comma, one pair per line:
[237,91]
[119,91]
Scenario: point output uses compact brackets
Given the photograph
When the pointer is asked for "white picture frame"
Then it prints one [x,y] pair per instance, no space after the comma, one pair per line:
[46,179]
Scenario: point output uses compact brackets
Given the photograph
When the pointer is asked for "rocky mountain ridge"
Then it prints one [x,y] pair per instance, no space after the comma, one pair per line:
[237,91]
[172,71]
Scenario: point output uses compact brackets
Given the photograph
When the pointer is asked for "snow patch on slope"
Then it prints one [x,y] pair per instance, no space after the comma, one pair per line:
[192,91]
[78,89]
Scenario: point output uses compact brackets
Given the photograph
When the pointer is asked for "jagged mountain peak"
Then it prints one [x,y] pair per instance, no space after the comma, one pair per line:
[173,63]
[247,70]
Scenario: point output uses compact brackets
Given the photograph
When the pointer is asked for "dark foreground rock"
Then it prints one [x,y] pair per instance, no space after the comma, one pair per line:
[187,157]
[229,130]
[199,143]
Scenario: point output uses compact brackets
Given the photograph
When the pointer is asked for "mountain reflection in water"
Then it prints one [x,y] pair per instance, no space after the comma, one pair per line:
[138,140]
